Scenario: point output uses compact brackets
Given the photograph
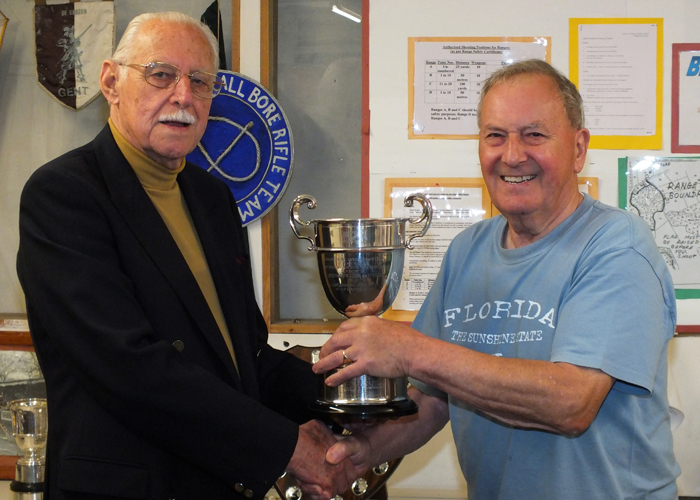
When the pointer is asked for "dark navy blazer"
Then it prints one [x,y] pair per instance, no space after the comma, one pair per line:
[108,293]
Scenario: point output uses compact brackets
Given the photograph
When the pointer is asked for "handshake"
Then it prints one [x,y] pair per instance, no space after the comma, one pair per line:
[325,464]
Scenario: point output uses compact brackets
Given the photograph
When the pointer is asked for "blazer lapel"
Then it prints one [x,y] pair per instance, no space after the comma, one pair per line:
[208,215]
[144,220]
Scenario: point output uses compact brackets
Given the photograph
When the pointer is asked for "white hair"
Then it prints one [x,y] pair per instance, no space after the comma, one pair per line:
[128,46]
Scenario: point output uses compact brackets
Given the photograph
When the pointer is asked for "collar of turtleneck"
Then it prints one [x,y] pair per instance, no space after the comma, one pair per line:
[151,174]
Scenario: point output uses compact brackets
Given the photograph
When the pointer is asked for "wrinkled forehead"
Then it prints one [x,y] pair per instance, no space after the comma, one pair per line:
[160,41]
[536,89]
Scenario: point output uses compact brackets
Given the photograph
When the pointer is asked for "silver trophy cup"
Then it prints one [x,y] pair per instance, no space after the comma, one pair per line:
[360,262]
[30,428]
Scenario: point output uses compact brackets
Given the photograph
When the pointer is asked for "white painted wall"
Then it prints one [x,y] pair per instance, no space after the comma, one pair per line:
[34,129]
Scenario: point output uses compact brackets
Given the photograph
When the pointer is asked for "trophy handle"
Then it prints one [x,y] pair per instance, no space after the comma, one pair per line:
[294,216]
[426,216]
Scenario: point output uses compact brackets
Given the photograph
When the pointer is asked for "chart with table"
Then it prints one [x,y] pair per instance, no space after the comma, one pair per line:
[447,75]
[450,81]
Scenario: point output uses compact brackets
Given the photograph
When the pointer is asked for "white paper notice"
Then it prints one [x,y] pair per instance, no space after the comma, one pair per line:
[617,78]
[448,78]
[454,209]
[689,98]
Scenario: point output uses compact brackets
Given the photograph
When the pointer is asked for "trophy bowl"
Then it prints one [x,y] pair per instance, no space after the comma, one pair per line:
[360,263]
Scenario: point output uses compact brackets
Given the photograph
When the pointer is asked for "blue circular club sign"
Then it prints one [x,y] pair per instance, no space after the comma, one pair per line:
[248,144]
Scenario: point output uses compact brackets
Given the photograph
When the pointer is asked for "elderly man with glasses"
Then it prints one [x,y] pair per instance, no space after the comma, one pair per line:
[140,302]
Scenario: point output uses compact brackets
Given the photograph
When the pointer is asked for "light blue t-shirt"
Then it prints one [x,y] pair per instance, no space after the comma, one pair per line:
[595,292]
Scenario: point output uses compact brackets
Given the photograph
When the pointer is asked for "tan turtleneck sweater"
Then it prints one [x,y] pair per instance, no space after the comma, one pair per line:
[160,183]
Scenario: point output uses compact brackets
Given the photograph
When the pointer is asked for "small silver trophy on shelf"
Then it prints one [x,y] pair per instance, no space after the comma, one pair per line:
[30,428]
[360,261]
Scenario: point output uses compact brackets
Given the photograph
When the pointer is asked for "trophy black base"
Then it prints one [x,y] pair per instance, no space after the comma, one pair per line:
[20,487]
[27,491]
[358,413]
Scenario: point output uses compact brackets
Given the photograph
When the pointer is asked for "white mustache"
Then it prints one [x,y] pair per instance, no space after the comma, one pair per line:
[181,116]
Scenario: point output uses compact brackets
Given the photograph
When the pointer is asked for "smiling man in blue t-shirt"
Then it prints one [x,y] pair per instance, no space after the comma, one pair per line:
[544,338]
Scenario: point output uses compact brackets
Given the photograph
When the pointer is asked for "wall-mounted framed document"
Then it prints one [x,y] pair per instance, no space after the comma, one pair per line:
[685,98]
[623,103]
[588,185]
[445,76]
[664,192]
[457,204]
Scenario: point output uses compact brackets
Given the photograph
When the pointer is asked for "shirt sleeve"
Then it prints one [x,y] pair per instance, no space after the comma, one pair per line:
[615,317]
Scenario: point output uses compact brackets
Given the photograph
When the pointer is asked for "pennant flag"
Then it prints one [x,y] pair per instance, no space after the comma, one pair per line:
[212,18]
[72,40]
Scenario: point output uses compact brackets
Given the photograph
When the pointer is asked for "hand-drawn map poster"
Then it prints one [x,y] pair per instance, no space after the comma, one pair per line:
[665,192]
[445,77]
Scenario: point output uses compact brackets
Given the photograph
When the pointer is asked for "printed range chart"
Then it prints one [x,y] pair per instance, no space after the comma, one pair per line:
[455,81]
[447,77]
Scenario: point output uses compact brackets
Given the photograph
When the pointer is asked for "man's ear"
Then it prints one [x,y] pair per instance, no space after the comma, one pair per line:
[109,79]
[583,137]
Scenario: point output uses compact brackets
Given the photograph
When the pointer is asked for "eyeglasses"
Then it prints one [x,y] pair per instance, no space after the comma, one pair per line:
[165,76]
